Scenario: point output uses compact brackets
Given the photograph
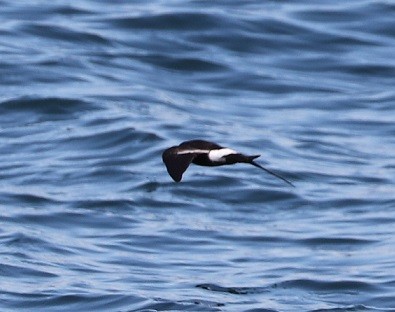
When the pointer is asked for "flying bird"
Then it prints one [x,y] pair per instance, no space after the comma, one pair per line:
[204,153]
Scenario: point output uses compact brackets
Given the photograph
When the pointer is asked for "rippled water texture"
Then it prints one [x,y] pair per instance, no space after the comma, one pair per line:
[92,92]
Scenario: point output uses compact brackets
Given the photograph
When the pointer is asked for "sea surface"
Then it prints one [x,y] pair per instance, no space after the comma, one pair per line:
[92,92]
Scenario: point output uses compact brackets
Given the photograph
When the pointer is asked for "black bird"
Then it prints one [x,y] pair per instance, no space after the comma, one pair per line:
[204,153]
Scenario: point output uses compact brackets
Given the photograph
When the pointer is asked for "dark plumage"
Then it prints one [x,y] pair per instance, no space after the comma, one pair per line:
[204,153]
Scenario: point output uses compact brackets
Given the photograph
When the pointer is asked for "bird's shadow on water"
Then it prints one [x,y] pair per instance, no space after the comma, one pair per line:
[200,189]
[233,290]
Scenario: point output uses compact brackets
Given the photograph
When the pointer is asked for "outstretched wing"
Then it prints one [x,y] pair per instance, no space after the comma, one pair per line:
[199,144]
[269,171]
[176,164]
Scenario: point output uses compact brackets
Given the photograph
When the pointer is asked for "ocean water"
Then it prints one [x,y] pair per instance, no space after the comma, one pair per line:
[92,92]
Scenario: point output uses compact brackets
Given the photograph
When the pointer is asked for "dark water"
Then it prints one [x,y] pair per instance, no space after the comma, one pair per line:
[92,92]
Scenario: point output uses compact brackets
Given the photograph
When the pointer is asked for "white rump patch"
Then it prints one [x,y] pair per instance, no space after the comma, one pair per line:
[193,151]
[218,154]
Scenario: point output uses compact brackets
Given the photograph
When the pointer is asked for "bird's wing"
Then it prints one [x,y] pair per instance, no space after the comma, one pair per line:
[270,172]
[200,144]
[176,164]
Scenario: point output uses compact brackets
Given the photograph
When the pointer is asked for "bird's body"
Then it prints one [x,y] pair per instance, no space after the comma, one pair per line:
[204,153]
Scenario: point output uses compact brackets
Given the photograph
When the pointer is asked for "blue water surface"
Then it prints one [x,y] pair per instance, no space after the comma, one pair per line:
[92,92]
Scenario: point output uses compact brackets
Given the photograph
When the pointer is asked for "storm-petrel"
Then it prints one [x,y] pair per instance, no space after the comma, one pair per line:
[204,153]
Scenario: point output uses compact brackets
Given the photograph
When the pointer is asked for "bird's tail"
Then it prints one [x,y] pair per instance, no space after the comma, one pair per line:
[251,158]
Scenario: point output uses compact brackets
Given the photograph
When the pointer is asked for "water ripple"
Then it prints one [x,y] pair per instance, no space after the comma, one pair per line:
[91,94]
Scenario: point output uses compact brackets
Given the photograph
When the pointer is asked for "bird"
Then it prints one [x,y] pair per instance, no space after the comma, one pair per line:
[204,153]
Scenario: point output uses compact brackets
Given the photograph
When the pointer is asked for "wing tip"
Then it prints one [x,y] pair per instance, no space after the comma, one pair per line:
[175,164]
[175,177]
